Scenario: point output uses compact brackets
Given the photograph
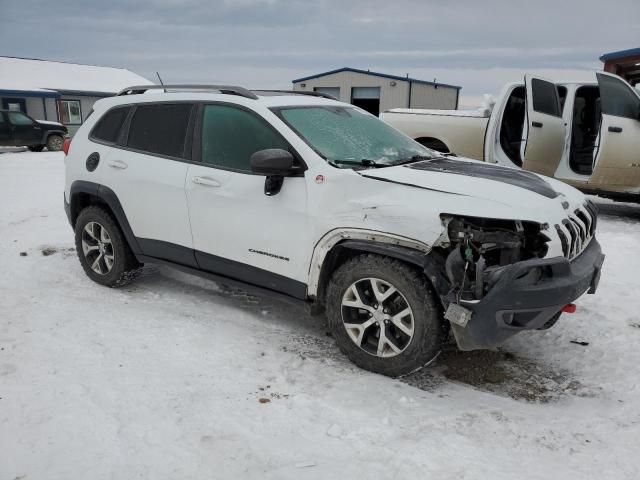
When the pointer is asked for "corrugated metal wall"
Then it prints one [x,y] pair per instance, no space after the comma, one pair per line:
[35,108]
[52,110]
[430,96]
[422,95]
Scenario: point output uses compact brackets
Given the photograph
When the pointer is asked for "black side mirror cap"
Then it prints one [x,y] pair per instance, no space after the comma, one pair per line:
[272,161]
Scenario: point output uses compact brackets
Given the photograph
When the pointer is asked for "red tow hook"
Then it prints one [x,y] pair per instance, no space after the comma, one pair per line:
[569,308]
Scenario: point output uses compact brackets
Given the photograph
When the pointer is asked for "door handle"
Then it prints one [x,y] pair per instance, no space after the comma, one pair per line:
[615,129]
[536,124]
[117,164]
[206,181]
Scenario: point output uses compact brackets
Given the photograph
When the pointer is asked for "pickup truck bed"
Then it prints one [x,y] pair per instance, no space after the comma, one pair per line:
[460,131]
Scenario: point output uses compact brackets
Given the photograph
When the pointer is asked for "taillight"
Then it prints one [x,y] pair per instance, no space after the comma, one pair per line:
[66,145]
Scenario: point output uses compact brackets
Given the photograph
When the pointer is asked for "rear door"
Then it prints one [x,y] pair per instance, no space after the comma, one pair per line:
[544,127]
[147,170]
[24,130]
[617,161]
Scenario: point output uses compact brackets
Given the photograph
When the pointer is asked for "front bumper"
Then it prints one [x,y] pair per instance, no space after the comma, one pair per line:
[524,300]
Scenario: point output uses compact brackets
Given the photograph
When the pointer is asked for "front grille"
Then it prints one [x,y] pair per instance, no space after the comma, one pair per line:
[577,230]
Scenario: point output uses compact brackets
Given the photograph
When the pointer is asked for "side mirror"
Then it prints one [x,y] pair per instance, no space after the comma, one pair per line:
[272,161]
[276,164]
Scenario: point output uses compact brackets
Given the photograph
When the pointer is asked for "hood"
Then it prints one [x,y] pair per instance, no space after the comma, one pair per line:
[47,122]
[486,189]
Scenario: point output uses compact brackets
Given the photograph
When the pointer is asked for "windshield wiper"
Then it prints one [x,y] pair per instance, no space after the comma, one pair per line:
[365,162]
[415,158]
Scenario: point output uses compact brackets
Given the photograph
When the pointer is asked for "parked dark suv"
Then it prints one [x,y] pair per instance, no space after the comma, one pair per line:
[19,129]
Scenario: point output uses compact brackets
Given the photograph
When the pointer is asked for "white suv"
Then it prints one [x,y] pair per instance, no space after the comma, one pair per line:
[312,199]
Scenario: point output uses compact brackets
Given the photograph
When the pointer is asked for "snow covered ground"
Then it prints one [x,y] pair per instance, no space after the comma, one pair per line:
[178,377]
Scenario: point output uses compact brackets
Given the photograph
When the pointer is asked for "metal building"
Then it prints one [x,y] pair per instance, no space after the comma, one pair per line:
[625,63]
[377,92]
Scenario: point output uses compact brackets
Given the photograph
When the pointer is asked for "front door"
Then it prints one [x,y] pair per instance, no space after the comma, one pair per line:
[545,129]
[24,130]
[238,231]
[617,161]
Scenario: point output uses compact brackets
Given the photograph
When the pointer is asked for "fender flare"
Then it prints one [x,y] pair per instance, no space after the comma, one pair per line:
[396,246]
[108,197]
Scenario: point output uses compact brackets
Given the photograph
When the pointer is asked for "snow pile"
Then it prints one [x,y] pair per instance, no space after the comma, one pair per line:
[27,74]
[178,377]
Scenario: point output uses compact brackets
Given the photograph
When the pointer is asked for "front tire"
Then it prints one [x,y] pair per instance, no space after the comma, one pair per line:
[54,143]
[104,254]
[383,315]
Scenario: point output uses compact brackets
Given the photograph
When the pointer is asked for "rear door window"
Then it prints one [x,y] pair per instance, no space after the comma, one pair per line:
[109,126]
[545,97]
[160,129]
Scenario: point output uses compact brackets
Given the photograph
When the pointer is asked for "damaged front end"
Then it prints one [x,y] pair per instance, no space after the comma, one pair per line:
[480,248]
[494,281]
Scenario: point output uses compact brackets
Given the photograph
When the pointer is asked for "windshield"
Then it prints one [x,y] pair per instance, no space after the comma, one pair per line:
[347,136]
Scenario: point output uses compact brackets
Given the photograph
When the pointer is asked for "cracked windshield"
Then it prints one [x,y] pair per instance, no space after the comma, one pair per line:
[348,137]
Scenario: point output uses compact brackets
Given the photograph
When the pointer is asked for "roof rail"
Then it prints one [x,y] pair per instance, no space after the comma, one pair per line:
[300,92]
[226,89]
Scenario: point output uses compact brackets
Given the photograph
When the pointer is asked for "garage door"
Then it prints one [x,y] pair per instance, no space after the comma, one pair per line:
[365,92]
[367,98]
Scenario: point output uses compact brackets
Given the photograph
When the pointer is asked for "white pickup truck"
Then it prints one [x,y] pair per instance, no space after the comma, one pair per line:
[586,134]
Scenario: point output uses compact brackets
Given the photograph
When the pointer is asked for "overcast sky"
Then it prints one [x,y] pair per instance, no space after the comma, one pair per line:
[477,44]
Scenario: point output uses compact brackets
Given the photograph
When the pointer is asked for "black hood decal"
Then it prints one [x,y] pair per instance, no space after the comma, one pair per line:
[519,178]
[382,179]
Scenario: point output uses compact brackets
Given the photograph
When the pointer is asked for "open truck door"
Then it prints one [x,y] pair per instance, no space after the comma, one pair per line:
[545,128]
[617,157]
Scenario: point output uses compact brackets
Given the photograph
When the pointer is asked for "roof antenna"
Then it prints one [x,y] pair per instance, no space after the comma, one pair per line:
[161,82]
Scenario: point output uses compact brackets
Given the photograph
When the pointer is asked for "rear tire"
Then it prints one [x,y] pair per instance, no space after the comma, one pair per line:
[102,249]
[36,148]
[358,320]
[54,143]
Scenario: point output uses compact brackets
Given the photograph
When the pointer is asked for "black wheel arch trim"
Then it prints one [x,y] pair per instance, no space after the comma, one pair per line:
[431,264]
[103,195]
[398,252]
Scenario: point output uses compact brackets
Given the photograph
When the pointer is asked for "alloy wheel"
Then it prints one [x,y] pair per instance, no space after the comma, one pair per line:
[377,317]
[97,248]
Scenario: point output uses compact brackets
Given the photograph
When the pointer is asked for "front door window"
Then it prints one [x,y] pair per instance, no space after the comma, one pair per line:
[231,135]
